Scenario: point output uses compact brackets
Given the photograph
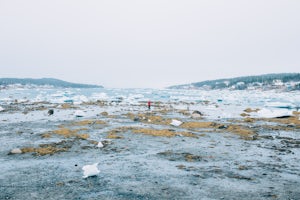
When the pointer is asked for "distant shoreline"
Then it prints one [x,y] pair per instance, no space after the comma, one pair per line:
[43,82]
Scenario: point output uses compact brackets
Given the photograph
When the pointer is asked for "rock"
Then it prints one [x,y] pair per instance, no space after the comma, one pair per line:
[196,114]
[269,137]
[175,122]
[245,115]
[16,151]
[50,112]
[283,116]
[90,170]
[249,110]
[249,120]
[105,114]
[222,126]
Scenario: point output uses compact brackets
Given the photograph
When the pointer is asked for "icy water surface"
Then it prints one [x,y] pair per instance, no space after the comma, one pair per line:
[53,95]
[237,149]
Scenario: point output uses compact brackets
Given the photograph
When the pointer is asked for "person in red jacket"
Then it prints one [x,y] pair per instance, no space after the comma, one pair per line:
[149,105]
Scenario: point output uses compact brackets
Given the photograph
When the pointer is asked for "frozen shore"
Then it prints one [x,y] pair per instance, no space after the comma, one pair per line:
[231,152]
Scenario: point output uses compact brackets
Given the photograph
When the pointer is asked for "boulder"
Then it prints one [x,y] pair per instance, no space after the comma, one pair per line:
[50,112]
[196,114]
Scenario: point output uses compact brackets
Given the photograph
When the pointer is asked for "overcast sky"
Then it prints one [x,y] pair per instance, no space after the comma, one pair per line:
[154,43]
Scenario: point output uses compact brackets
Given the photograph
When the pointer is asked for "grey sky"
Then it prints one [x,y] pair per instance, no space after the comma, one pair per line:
[157,43]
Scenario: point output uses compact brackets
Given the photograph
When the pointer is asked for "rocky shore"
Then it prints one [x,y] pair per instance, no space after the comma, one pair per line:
[141,155]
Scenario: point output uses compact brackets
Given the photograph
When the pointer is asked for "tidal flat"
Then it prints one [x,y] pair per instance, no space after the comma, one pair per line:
[143,156]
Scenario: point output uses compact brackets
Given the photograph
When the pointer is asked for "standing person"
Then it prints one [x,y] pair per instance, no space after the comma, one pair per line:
[149,105]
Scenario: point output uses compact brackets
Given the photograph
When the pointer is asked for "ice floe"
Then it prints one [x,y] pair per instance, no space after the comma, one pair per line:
[79,113]
[16,151]
[90,170]
[175,122]
[100,144]
[272,113]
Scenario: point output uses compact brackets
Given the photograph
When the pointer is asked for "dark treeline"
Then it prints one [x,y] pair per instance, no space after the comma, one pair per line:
[246,81]
[44,81]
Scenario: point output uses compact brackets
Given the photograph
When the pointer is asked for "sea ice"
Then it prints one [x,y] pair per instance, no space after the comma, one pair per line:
[280,105]
[90,170]
[100,145]
[79,113]
[175,122]
[268,113]
[16,151]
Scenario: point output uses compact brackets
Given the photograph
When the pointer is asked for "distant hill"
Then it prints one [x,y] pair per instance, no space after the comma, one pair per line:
[285,81]
[4,82]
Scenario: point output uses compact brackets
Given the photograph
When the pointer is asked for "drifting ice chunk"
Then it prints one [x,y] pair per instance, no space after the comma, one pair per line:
[1,109]
[100,145]
[266,113]
[79,113]
[175,122]
[16,151]
[90,170]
